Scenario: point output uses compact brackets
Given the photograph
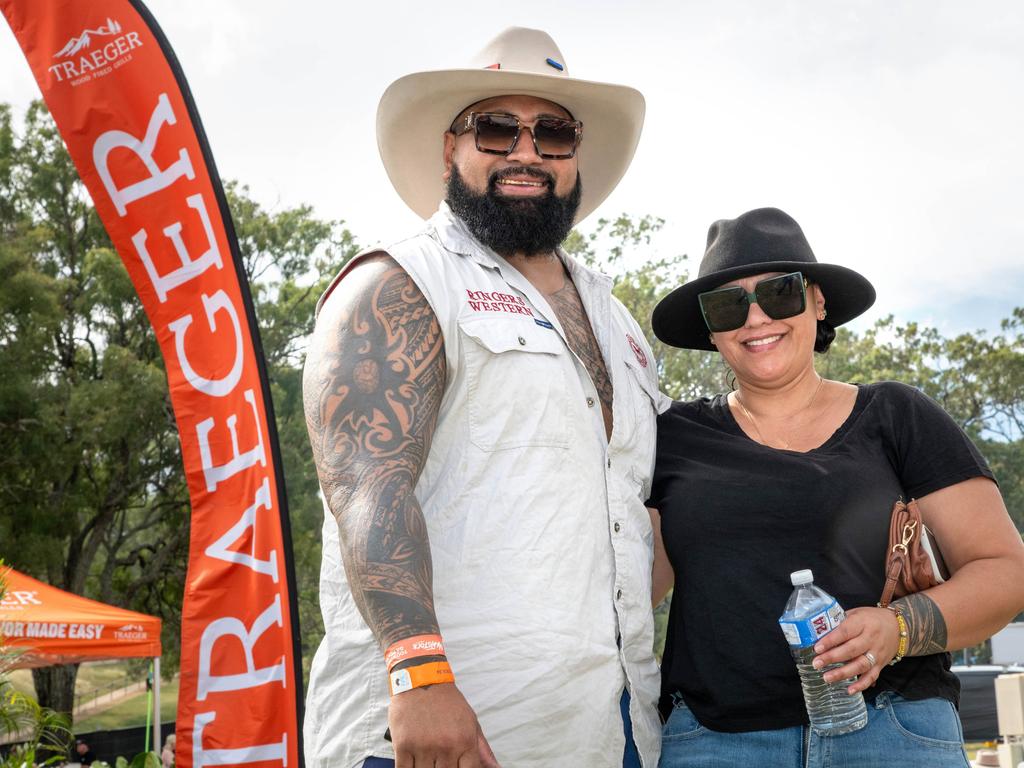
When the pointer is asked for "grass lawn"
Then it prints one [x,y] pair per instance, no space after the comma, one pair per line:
[132,711]
[100,675]
[91,676]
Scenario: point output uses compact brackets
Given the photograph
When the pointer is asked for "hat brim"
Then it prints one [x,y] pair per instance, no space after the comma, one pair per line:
[417,109]
[678,322]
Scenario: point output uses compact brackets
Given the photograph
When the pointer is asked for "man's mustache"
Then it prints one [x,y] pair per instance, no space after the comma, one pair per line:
[513,171]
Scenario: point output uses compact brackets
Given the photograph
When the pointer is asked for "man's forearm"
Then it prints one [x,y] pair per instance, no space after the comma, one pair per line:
[373,384]
[387,559]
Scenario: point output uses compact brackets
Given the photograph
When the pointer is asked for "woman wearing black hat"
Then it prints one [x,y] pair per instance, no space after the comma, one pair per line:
[792,471]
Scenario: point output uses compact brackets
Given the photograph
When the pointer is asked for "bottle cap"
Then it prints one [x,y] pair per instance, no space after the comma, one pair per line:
[799,578]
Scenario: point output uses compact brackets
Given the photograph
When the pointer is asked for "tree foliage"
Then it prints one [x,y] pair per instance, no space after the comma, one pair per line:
[978,379]
[91,485]
[92,493]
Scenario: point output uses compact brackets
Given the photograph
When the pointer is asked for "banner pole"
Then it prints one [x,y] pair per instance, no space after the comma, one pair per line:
[149,704]
[120,100]
[157,746]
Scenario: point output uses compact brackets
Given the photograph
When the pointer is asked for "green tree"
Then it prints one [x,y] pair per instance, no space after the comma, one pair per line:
[290,257]
[978,379]
[621,248]
[91,484]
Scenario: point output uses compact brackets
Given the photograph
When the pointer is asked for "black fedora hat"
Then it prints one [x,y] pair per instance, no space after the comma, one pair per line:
[762,240]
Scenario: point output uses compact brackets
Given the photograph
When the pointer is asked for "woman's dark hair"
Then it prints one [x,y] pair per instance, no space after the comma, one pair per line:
[824,336]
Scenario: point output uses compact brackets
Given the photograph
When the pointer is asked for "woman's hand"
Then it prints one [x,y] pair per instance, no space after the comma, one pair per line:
[865,642]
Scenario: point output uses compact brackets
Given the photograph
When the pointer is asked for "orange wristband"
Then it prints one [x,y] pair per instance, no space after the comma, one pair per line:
[412,648]
[431,673]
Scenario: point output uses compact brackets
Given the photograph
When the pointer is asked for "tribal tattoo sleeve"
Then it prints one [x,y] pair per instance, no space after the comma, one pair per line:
[926,628]
[372,388]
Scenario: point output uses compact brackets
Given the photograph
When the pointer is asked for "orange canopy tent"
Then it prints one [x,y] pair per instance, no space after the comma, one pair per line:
[50,626]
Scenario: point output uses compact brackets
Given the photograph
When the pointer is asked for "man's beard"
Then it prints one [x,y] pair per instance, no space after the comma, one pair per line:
[530,226]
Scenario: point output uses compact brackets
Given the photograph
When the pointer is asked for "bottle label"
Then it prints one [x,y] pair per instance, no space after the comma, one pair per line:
[808,631]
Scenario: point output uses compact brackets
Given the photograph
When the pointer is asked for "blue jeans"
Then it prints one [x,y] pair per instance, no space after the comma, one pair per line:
[899,732]
[630,757]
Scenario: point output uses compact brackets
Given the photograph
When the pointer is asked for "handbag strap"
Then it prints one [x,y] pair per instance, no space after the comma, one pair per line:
[903,528]
[892,577]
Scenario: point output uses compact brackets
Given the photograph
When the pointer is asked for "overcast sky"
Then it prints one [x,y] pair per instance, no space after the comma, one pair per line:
[892,131]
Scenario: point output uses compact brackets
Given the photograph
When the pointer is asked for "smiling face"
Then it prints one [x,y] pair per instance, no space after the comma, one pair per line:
[520,203]
[764,352]
[522,174]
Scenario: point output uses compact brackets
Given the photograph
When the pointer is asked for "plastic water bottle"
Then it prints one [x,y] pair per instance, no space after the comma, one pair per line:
[811,613]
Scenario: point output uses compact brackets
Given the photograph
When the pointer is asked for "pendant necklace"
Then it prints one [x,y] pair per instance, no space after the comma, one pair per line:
[757,429]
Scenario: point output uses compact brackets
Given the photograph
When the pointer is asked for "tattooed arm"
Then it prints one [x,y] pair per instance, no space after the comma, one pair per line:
[372,388]
[926,628]
[984,552]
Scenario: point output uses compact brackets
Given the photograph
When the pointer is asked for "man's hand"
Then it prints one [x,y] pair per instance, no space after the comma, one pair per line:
[435,726]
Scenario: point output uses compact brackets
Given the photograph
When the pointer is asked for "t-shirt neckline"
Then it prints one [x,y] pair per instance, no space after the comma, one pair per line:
[722,405]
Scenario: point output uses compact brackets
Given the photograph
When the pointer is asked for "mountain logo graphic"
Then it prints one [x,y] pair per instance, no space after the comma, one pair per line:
[132,628]
[84,40]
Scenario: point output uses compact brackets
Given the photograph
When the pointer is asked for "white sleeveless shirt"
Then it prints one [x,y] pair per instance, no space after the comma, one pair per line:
[540,542]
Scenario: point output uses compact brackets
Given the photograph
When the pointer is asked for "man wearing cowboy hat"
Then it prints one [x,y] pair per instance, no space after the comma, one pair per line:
[482,417]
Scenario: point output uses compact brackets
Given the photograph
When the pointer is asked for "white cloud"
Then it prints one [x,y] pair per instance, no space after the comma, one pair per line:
[890,130]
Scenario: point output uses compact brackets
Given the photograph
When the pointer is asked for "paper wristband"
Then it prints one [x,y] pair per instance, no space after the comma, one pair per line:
[412,648]
[431,673]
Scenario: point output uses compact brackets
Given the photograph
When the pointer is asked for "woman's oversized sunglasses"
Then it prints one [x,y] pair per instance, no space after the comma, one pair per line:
[554,138]
[725,309]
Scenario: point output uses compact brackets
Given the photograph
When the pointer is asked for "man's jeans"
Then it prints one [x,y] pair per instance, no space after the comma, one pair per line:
[899,732]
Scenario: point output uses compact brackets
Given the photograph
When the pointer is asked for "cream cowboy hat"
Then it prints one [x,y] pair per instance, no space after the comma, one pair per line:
[416,109]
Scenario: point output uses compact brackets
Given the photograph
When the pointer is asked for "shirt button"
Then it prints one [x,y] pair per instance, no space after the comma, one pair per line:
[590,402]
[522,341]
[618,595]
[609,463]
[616,527]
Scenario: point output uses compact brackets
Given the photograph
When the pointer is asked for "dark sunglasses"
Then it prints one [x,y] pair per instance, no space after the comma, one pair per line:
[725,309]
[553,137]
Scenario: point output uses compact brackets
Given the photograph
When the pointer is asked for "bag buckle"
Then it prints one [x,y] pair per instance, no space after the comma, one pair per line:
[908,536]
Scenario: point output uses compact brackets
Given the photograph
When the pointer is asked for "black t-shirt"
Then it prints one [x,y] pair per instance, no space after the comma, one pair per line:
[738,517]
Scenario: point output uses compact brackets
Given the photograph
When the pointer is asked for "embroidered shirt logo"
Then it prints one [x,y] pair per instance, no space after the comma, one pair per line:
[641,357]
[493,301]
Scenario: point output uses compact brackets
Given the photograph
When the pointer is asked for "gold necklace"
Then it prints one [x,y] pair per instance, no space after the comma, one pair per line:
[757,429]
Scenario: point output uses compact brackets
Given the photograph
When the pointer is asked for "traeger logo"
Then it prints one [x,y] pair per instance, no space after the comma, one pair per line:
[131,632]
[17,599]
[80,66]
[84,40]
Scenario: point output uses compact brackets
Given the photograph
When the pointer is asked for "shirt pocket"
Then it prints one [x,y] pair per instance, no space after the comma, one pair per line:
[516,381]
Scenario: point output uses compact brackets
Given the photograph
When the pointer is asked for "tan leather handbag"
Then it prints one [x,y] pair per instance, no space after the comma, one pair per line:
[913,560]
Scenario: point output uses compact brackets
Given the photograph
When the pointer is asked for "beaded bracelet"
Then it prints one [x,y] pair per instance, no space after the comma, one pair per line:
[901,621]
